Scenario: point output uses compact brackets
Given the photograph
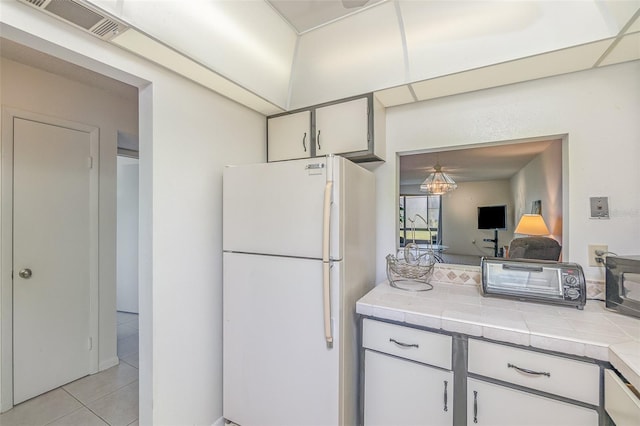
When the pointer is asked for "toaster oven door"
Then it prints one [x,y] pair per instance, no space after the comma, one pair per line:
[522,279]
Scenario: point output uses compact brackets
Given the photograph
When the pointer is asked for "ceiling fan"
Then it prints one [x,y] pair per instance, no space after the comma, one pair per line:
[351,4]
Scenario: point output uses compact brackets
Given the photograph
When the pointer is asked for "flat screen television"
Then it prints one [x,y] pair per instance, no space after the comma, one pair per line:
[492,217]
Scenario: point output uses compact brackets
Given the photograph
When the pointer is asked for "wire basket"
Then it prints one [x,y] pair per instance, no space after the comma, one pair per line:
[411,270]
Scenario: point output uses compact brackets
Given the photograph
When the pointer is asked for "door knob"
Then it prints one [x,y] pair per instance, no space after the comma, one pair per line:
[25,273]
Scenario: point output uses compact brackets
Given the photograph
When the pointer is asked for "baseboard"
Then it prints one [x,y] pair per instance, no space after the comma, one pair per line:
[111,362]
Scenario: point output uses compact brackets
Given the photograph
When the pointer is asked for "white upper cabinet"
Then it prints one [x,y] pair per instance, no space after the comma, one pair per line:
[342,127]
[353,128]
[289,136]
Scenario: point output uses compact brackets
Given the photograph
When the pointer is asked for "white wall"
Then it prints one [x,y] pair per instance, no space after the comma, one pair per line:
[460,216]
[541,179]
[186,134]
[127,235]
[29,89]
[598,110]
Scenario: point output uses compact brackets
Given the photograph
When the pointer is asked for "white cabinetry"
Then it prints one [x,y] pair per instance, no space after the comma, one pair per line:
[619,401]
[289,136]
[408,379]
[496,404]
[353,128]
[342,127]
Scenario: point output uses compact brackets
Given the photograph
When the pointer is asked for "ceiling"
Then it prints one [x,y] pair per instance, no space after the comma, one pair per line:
[494,162]
[306,15]
[313,51]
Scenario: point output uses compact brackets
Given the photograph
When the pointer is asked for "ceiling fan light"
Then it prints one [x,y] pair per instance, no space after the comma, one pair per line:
[438,183]
[350,4]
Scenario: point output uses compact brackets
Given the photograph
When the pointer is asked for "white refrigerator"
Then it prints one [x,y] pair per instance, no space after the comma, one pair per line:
[299,251]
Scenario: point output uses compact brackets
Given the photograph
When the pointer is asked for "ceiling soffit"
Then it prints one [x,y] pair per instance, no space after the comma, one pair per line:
[406,50]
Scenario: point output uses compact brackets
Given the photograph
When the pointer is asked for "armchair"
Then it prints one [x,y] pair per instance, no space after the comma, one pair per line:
[543,248]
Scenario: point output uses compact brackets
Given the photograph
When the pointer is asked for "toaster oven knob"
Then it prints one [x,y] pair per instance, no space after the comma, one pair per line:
[570,279]
[572,293]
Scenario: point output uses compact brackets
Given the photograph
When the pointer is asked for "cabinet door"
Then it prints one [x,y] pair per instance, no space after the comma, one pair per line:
[494,405]
[342,127]
[399,392]
[620,403]
[289,136]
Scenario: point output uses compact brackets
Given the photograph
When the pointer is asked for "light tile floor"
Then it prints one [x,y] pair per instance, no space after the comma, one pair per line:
[106,398]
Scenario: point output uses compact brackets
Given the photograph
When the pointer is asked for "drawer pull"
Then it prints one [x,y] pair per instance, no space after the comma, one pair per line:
[445,396]
[475,406]
[527,371]
[304,138]
[404,345]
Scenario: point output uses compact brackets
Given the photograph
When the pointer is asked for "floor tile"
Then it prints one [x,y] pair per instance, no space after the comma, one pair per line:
[41,410]
[126,330]
[81,417]
[119,408]
[91,388]
[132,360]
[127,346]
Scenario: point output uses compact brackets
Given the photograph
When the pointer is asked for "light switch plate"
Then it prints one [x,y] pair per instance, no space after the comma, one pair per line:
[599,207]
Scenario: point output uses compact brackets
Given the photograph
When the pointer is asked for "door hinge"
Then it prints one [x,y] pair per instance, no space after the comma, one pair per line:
[90,343]
[90,162]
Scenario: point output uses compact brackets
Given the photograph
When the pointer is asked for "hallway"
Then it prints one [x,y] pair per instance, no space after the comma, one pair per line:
[106,398]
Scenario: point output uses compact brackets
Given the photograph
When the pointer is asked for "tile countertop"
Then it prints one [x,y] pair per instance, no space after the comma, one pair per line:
[593,332]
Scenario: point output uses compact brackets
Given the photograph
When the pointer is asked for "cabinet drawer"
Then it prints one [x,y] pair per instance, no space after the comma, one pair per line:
[418,345]
[548,373]
[621,404]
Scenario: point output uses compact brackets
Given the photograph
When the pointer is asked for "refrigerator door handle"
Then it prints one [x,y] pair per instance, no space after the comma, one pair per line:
[326,262]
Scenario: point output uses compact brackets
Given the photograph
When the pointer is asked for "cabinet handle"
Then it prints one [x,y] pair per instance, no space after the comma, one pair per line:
[318,141]
[527,371]
[475,406]
[304,138]
[404,345]
[445,396]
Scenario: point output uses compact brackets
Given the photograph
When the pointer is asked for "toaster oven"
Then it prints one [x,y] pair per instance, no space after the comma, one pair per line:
[622,284]
[539,281]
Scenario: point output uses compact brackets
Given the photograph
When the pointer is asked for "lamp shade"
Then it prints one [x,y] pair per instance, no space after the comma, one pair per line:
[532,224]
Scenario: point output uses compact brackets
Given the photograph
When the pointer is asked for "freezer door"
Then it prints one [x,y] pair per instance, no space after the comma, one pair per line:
[278,370]
[277,208]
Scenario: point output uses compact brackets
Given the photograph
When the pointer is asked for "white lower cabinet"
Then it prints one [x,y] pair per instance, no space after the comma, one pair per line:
[495,405]
[400,392]
[620,402]
[409,381]
[407,376]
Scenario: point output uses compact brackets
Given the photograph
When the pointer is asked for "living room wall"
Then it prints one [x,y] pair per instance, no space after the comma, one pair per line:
[459,217]
[541,179]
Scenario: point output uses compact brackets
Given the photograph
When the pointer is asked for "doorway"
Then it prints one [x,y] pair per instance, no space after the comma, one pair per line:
[50,228]
[111,99]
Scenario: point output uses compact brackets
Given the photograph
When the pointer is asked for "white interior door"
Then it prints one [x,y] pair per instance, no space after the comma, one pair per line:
[52,243]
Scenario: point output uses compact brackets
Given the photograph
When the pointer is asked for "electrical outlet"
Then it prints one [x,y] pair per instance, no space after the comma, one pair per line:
[594,259]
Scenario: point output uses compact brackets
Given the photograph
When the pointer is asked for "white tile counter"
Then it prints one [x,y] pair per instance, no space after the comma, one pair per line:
[593,332]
